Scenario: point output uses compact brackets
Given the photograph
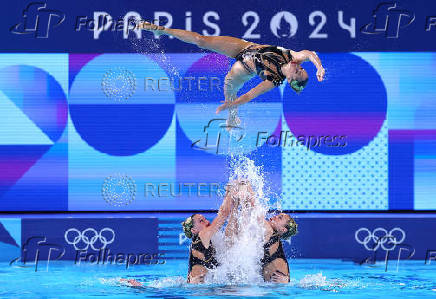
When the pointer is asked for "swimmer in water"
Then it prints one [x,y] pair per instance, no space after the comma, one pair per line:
[272,64]
[200,230]
[275,267]
[202,252]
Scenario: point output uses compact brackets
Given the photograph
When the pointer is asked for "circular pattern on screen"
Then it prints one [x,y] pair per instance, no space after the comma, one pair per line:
[118,83]
[118,190]
[351,102]
[120,128]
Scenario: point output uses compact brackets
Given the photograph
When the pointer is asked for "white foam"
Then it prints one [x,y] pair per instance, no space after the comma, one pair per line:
[167,282]
[240,259]
[313,281]
[149,45]
[113,281]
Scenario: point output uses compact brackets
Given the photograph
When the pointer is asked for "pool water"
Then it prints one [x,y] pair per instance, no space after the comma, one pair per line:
[309,279]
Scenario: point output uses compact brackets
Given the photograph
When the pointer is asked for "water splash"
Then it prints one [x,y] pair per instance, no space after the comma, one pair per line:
[115,281]
[240,247]
[151,46]
[320,282]
[313,281]
[167,282]
[240,250]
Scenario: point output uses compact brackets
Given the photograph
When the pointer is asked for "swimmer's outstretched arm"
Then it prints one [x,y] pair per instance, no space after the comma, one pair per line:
[244,199]
[224,211]
[306,55]
[232,227]
[260,89]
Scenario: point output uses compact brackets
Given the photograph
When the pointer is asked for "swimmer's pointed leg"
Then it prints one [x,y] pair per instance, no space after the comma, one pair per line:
[233,119]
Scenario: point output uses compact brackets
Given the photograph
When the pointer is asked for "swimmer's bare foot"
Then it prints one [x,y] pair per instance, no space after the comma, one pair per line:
[233,119]
[156,29]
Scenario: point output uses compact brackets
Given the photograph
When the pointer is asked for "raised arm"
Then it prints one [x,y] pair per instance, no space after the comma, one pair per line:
[232,227]
[218,222]
[260,89]
[306,55]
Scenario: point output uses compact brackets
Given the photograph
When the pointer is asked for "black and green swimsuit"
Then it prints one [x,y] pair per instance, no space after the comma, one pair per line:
[268,61]
[209,261]
[278,254]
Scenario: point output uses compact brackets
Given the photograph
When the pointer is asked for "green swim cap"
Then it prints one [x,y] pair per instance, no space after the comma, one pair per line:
[298,86]
[187,225]
[292,229]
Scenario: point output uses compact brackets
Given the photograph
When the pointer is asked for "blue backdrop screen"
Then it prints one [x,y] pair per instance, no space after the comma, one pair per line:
[90,131]
[97,116]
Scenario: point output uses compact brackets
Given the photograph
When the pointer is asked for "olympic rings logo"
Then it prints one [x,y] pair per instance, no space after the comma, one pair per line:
[380,237]
[89,237]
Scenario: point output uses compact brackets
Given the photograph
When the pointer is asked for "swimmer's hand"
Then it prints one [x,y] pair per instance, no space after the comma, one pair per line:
[279,277]
[222,107]
[196,279]
[320,73]
[131,282]
[234,190]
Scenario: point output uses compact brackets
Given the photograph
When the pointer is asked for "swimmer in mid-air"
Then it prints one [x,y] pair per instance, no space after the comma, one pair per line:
[272,64]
